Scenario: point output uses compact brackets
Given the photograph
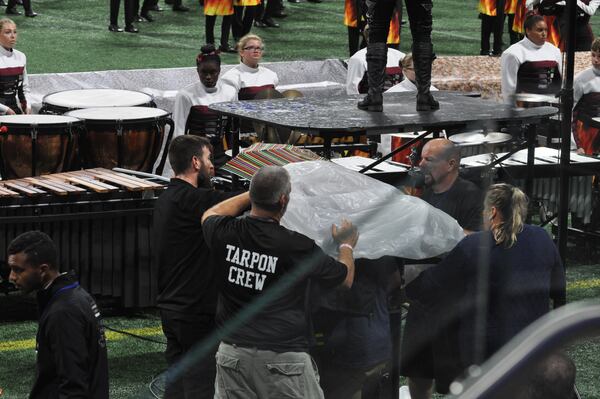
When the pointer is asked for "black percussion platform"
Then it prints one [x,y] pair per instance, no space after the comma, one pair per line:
[340,115]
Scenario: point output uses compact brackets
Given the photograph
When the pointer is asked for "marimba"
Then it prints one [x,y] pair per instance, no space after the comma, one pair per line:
[101,222]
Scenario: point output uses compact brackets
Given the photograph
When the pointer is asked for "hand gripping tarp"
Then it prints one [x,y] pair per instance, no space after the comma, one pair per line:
[389,222]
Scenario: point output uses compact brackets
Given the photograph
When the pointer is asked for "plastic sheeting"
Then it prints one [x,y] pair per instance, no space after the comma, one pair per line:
[389,222]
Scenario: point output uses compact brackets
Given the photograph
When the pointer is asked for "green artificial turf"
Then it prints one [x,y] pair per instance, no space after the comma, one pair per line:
[72,35]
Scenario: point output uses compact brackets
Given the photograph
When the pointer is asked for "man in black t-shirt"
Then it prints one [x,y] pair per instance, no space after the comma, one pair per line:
[187,293]
[430,354]
[265,271]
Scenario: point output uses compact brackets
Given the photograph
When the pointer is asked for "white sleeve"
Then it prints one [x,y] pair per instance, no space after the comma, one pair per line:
[276,79]
[181,110]
[232,79]
[3,108]
[531,3]
[589,9]
[356,71]
[577,90]
[510,68]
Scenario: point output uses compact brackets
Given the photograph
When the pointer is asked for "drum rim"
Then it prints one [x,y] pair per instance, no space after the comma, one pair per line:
[44,103]
[509,138]
[75,121]
[167,115]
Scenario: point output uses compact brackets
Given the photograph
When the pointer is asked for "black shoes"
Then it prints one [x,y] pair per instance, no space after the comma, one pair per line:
[146,16]
[180,8]
[12,11]
[31,14]
[156,8]
[114,28]
[269,23]
[131,29]
[295,1]
[426,102]
[259,24]
[371,103]
[280,14]
[138,18]
[227,49]
[315,1]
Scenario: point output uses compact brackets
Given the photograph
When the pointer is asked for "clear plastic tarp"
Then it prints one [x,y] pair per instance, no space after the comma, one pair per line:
[389,221]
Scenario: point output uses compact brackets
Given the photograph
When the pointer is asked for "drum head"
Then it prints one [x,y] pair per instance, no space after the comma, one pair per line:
[113,114]
[87,98]
[479,138]
[531,98]
[28,120]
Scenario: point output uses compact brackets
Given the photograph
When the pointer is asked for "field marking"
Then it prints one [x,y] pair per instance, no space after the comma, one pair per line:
[434,32]
[27,344]
[140,34]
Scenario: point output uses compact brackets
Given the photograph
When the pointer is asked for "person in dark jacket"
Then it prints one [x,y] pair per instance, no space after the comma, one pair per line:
[71,346]
[495,282]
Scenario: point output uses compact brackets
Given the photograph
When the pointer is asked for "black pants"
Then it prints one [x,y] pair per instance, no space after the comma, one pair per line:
[355,40]
[380,14]
[269,10]
[26,5]
[183,332]
[210,29]
[129,11]
[242,21]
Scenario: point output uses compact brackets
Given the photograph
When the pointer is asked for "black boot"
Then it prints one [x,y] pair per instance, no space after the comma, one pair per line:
[422,58]
[376,61]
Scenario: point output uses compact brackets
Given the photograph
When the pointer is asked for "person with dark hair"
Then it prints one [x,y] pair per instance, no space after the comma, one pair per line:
[190,112]
[13,69]
[586,98]
[257,258]
[428,355]
[496,282]
[130,12]
[379,13]
[212,9]
[70,343]
[187,293]
[531,65]
[249,78]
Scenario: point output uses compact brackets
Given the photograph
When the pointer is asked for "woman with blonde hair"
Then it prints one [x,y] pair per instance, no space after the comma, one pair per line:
[13,69]
[495,282]
[249,78]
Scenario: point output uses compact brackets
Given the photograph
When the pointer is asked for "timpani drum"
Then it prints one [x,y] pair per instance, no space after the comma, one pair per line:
[125,137]
[478,142]
[63,101]
[32,145]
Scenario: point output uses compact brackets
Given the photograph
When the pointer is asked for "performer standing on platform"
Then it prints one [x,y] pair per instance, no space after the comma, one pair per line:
[191,113]
[213,8]
[523,272]
[266,356]
[249,78]
[409,82]
[357,80]
[129,16]
[355,22]
[70,343]
[15,83]
[586,93]
[378,17]
[532,65]
[428,354]
[187,284]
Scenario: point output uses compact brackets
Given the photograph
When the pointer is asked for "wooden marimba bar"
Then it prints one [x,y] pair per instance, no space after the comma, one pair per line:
[101,222]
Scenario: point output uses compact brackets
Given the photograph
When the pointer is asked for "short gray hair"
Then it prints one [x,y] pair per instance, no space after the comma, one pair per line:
[268,185]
